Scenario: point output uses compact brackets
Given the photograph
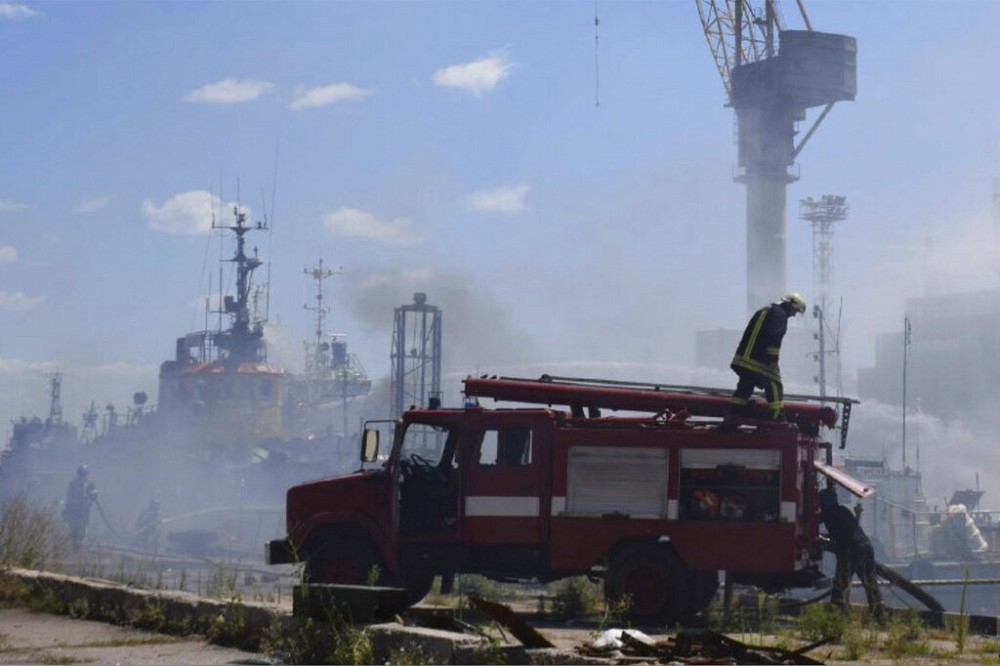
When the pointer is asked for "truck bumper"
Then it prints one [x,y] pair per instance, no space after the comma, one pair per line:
[279,551]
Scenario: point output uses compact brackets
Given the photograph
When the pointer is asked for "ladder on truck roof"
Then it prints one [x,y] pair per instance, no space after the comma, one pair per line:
[593,394]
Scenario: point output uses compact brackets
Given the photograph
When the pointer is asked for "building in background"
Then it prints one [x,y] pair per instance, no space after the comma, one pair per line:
[952,360]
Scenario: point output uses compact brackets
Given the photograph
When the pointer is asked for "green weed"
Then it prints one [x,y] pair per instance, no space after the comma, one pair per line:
[856,640]
[410,653]
[31,537]
[14,593]
[906,636]
[79,608]
[820,622]
[473,585]
[490,651]
[352,646]
[230,627]
[617,613]
[766,612]
[152,617]
[575,597]
[963,620]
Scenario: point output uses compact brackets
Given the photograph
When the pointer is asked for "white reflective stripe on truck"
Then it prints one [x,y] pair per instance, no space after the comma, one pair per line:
[559,509]
[501,507]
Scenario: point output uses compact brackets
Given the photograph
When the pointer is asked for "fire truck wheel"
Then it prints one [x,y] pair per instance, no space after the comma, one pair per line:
[652,581]
[705,585]
[344,562]
[418,587]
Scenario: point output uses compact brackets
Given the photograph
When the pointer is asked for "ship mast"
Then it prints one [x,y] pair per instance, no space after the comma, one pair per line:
[317,360]
[243,341]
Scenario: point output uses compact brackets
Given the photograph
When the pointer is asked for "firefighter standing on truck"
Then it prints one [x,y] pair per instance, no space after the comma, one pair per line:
[756,358]
[854,553]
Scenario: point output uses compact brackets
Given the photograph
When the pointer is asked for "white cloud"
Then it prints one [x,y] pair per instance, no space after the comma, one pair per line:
[477,77]
[188,213]
[11,207]
[501,200]
[8,254]
[18,301]
[92,205]
[312,98]
[17,11]
[356,223]
[229,91]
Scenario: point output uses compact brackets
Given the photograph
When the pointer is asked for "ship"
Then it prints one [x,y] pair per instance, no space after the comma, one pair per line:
[229,433]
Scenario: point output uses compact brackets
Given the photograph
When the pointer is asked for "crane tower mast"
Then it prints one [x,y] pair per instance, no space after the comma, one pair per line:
[771,76]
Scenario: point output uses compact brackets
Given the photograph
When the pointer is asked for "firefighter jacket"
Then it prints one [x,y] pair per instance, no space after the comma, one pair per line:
[761,342]
[844,530]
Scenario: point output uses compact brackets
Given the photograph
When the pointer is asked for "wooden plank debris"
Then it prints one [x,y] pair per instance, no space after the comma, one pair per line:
[529,638]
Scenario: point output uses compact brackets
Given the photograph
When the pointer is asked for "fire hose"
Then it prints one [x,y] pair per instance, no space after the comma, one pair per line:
[909,587]
[100,510]
[899,580]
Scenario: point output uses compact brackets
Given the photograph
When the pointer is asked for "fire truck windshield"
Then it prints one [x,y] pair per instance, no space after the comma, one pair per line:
[430,446]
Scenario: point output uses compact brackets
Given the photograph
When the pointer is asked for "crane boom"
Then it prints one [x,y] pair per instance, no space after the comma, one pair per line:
[770,93]
[736,34]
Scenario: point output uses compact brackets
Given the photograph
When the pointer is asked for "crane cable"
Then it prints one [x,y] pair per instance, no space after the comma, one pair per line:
[597,72]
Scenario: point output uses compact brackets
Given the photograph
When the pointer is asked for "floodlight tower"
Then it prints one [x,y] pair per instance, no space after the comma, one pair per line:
[416,355]
[770,86]
[821,214]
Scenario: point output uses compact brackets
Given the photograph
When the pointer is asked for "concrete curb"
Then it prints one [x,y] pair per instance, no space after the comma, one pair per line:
[177,612]
[169,610]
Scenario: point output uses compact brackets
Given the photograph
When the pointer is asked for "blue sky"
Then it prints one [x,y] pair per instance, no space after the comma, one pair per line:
[560,202]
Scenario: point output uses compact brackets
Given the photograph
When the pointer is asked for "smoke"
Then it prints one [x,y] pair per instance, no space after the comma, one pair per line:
[949,456]
[477,332]
[285,348]
[960,255]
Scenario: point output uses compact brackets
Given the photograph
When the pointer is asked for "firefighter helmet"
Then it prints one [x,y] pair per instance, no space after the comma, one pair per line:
[797,303]
[828,498]
[81,470]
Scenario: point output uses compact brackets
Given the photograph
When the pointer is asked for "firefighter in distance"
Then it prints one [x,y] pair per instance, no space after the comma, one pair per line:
[80,494]
[756,358]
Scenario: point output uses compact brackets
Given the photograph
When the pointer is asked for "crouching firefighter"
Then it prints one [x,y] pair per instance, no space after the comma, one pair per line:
[756,358]
[854,553]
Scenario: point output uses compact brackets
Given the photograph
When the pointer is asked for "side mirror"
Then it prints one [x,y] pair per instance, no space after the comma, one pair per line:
[369,446]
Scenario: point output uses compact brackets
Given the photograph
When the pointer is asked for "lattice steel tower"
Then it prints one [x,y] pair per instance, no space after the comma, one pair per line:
[416,355]
[821,214]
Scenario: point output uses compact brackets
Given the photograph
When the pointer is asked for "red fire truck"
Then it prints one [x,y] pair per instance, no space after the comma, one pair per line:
[656,498]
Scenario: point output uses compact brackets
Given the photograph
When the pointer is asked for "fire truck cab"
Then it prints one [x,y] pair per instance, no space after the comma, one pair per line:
[656,499]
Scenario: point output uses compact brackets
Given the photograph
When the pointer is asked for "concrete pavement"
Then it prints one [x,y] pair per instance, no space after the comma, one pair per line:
[27,637]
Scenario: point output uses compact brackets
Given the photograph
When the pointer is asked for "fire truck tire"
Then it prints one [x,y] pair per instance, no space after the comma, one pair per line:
[349,561]
[704,586]
[418,587]
[342,561]
[653,580]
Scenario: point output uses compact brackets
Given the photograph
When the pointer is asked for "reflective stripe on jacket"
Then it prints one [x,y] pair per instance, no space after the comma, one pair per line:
[761,342]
